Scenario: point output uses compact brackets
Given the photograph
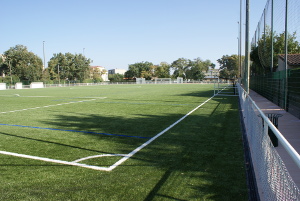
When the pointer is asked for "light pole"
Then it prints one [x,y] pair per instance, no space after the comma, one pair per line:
[58,75]
[83,51]
[44,54]
[10,73]
[247,49]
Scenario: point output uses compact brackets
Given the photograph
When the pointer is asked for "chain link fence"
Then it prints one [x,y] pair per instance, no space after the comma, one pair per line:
[275,55]
[273,180]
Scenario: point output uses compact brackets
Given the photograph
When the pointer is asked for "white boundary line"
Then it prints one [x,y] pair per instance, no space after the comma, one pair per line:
[126,156]
[98,156]
[47,106]
[55,161]
[156,136]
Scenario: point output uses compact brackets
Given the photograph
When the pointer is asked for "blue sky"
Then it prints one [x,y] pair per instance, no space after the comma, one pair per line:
[116,33]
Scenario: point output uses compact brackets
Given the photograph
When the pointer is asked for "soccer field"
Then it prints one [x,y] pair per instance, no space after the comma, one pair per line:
[121,142]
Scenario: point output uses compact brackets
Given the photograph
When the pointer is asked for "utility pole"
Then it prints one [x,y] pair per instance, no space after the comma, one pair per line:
[286,55]
[240,39]
[247,52]
[44,55]
[10,73]
[58,75]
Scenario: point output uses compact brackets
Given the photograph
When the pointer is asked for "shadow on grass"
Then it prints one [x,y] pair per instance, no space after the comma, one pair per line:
[199,159]
[202,157]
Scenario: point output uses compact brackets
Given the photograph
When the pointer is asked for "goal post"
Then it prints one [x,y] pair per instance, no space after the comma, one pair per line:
[140,81]
[2,86]
[35,85]
[179,80]
[163,80]
[227,88]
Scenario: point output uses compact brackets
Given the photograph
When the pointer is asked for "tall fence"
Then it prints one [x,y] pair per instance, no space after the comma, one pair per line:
[275,44]
[274,86]
[275,55]
[273,180]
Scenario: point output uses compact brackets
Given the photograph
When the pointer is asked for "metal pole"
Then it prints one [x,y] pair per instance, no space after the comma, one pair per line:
[286,55]
[247,52]
[240,39]
[10,73]
[58,75]
[272,36]
[44,54]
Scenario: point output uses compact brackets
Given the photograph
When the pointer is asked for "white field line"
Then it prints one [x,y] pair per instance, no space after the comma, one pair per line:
[47,106]
[55,161]
[126,156]
[156,136]
[98,156]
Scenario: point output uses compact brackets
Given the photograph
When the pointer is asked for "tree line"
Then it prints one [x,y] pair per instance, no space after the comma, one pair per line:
[182,67]
[18,64]
[271,42]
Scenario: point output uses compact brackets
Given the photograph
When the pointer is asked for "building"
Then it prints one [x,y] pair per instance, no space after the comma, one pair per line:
[117,71]
[293,61]
[211,74]
[99,70]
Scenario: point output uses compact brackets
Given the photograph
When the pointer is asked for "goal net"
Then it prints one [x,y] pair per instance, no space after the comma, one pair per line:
[35,85]
[225,88]
[163,80]
[179,80]
[140,81]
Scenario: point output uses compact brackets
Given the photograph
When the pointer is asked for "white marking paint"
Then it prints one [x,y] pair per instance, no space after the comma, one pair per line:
[47,106]
[156,136]
[55,161]
[97,156]
[125,156]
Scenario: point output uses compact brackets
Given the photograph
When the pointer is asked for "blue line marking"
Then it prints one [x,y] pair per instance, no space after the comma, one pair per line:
[88,132]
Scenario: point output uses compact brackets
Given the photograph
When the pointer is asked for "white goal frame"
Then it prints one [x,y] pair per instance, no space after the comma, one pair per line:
[163,80]
[140,81]
[36,85]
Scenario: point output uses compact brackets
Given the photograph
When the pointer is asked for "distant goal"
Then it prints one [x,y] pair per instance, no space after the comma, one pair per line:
[163,80]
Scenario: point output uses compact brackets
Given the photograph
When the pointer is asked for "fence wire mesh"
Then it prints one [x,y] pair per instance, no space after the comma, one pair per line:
[273,180]
[275,54]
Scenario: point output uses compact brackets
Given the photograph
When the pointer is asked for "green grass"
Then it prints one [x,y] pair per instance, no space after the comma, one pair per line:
[201,158]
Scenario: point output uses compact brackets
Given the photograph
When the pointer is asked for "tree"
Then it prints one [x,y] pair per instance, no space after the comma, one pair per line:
[140,69]
[69,67]
[197,68]
[229,66]
[116,77]
[23,64]
[261,54]
[96,74]
[162,70]
[180,67]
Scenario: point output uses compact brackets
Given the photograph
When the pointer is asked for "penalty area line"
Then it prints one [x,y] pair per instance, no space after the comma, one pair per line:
[155,137]
[55,161]
[122,160]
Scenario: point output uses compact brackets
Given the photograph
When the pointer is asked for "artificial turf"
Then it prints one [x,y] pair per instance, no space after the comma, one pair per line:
[200,158]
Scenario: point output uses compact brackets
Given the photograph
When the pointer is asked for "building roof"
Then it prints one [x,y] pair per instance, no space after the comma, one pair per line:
[292,59]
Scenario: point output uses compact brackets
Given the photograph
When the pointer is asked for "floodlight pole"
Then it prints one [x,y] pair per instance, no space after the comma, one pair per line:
[286,54]
[240,39]
[10,72]
[44,54]
[58,75]
[247,51]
